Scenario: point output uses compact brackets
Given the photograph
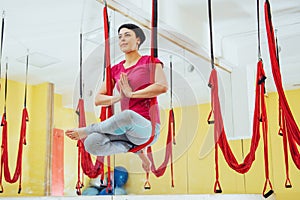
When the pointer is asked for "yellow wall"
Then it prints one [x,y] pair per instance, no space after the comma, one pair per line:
[66,118]
[194,171]
[34,153]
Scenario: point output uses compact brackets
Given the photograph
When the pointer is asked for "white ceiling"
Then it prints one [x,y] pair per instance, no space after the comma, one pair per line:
[52,28]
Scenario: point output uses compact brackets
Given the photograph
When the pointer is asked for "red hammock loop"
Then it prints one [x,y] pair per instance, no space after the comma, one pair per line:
[260,116]
[4,152]
[4,168]
[219,132]
[168,153]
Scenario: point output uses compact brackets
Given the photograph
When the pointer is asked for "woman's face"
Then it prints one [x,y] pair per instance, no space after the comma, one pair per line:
[128,41]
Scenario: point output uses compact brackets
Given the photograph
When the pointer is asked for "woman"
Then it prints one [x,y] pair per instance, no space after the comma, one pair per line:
[132,126]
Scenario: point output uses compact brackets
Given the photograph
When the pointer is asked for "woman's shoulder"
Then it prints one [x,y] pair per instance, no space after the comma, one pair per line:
[148,59]
[118,66]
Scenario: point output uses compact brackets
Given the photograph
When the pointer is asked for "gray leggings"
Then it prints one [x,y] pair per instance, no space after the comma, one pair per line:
[118,133]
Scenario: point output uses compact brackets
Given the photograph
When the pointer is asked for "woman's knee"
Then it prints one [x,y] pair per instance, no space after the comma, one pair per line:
[89,145]
[93,143]
[127,114]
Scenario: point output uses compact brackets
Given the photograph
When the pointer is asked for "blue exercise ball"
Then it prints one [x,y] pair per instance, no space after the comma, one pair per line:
[120,191]
[120,176]
[90,191]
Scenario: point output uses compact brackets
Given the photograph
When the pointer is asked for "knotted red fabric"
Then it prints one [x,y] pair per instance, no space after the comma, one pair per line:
[288,126]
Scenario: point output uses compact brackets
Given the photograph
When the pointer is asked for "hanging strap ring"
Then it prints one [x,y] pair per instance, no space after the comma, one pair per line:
[270,192]
[78,188]
[147,185]
[19,190]
[288,183]
[209,121]
[217,187]
[280,132]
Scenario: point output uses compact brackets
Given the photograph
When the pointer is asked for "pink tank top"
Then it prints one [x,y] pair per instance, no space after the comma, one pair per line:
[139,78]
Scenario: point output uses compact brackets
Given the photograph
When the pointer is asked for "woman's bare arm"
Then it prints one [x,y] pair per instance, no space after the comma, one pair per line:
[103,99]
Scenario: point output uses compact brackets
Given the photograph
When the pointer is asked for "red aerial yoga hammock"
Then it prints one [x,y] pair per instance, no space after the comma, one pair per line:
[107,112]
[260,116]
[171,129]
[84,158]
[169,151]
[4,146]
[288,126]
[152,75]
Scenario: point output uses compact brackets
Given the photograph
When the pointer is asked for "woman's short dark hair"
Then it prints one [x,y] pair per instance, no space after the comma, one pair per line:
[137,30]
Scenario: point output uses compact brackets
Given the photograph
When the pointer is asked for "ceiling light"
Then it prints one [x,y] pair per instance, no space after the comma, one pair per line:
[96,36]
[39,60]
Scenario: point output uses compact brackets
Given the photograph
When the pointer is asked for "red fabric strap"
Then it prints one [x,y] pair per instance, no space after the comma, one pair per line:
[4,156]
[217,186]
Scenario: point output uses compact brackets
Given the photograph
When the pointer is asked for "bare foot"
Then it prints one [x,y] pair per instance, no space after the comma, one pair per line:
[145,161]
[146,165]
[76,133]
